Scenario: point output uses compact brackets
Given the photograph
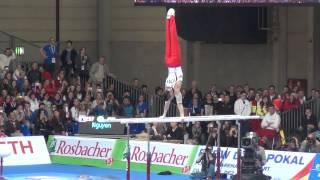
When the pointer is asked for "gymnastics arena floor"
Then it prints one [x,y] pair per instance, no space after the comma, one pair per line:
[71,172]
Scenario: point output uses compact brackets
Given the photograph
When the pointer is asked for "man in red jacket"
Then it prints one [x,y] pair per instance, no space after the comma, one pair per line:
[173,62]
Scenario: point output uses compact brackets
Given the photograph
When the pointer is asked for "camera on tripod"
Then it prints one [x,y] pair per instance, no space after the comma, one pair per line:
[249,159]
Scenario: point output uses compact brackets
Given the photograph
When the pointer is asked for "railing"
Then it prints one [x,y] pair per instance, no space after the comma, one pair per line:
[31,50]
[292,119]
[155,102]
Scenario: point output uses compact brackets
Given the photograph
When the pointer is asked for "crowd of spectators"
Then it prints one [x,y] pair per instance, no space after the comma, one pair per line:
[48,99]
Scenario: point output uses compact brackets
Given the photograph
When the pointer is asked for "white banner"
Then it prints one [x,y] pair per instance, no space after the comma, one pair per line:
[177,155]
[29,150]
[280,164]
[93,148]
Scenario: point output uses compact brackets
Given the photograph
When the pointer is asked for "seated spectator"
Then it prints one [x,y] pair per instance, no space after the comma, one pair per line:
[309,123]
[197,134]
[194,89]
[141,107]
[34,103]
[271,121]
[310,144]
[16,132]
[157,131]
[9,105]
[112,105]
[212,131]
[127,110]
[2,132]
[99,109]
[195,107]
[43,125]
[75,109]
[270,127]
[292,145]
[232,137]
[207,107]
[174,132]
[11,125]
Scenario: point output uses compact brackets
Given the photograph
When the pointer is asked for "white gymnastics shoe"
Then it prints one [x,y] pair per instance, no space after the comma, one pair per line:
[171,12]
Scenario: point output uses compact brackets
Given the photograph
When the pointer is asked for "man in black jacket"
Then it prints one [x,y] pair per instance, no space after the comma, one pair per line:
[68,58]
[34,74]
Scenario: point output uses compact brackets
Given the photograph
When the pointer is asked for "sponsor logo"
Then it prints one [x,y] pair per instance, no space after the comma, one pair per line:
[78,149]
[170,157]
[19,147]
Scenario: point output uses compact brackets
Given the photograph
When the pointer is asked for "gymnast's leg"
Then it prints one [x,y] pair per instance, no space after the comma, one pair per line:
[168,98]
[178,95]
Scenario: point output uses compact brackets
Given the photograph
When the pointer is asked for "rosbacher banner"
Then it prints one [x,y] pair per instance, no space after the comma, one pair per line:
[111,153]
[176,158]
[29,150]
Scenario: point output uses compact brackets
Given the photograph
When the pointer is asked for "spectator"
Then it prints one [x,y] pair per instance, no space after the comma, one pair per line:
[34,75]
[207,107]
[112,105]
[232,137]
[212,131]
[194,89]
[75,109]
[174,132]
[83,66]
[310,144]
[2,132]
[6,58]
[243,107]
[157,131]
[301,97]
[141,107]
[43,125]
[11,125]
[290,102]
[270,127]
[197,134]
[136,83]
[313,95]
[271,120]
[195,107]
[309,123]
[99,70]
[226,106]
[50,53]
[272,93]
[68,59]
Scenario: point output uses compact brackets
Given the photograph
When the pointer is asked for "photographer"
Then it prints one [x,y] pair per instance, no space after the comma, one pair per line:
[232,137]
[207,160]
[310,144]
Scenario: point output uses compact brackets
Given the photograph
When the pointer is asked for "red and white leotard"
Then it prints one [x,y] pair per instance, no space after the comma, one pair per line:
[172,51]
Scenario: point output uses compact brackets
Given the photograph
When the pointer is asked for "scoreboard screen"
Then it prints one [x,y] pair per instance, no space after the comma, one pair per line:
[224,2]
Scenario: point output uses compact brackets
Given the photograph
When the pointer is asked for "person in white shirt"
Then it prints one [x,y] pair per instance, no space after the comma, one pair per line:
[271,120]
[6,58]
[243,107]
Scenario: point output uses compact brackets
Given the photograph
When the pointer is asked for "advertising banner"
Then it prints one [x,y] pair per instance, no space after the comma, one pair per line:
[177,158]
[280,164]
[31,150]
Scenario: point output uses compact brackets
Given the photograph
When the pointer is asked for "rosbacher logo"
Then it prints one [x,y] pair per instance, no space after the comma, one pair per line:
[171,157]
[79,148]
